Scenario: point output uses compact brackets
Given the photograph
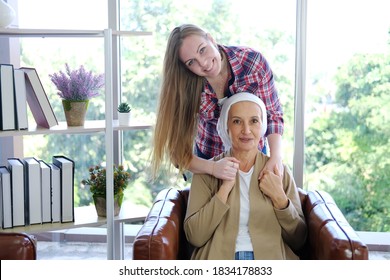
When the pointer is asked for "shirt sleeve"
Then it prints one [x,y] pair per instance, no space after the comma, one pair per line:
[291,219]
[268,92]
[204,211]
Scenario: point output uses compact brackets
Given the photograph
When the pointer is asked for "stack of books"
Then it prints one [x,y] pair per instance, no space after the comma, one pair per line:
[33,191]
[19,87]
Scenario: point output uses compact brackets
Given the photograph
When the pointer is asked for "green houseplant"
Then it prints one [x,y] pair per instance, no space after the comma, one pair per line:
[76,88]
[124,107]
[97,184]
[124,115]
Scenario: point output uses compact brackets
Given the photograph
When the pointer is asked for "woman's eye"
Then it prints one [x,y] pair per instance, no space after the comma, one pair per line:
[189,63]
[202,50]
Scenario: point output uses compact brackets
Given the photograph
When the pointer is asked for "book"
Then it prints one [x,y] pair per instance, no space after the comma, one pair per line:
[16,169]
[37,99]
[21,101]
[66,166]
[5,198]
[55,193]
[7,98]
[45,191]
[32,179]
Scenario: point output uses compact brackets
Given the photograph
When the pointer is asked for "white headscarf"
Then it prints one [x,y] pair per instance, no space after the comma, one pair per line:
[222,125]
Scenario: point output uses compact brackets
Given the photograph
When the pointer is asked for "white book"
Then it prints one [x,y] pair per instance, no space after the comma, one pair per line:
[7,98]
[37,99]
[16,168]
[55,193]
[46,191]
[34,192]
[5,198]
[21,101]
[66,166]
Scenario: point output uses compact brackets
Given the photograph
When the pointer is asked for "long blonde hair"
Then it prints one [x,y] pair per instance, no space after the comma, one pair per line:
[178,106]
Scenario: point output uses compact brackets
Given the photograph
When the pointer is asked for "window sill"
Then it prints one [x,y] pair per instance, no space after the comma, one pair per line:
[376,241]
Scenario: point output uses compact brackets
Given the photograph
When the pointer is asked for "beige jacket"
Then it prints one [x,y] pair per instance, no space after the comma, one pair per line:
[212,226]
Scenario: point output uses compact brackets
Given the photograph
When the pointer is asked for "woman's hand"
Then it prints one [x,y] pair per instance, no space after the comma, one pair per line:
[271,164]
[271,185]
[225,189]
[275,146]
[225,168]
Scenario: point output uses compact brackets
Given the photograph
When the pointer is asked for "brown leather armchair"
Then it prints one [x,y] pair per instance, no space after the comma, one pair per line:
[330,237]
[17,246]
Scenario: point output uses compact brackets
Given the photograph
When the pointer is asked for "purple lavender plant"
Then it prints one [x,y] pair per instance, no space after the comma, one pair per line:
[77,85]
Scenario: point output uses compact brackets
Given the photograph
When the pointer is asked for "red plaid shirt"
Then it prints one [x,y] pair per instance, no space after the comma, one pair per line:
[250,73]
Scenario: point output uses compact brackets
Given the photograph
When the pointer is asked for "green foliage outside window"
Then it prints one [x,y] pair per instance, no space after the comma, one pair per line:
[352,161]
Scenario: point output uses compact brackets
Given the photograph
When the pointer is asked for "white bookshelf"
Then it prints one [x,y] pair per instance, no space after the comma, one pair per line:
[86,216]
[62,128]
[19,32]
[106,126]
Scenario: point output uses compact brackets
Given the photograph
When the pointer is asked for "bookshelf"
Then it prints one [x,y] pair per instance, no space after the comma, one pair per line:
[62,128]
[106,126]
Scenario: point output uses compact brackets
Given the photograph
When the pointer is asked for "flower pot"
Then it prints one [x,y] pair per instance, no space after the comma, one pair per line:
[124,119]
[100,204]
[75,112]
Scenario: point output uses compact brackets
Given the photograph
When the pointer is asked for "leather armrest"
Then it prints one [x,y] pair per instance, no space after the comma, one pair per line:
[17,246]
[161,235]
[330,235]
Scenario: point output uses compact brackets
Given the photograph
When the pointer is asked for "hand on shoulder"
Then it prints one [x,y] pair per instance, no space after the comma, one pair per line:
[226,168]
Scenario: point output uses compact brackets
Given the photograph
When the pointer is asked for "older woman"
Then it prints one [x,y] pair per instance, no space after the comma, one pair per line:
[244,218]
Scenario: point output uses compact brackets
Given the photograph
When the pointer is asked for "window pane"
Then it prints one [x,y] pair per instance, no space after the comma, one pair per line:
[70,14]
[265,27]
[348,108]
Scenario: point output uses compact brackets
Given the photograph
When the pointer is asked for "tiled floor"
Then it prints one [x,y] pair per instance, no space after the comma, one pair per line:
[81,243]
[76,251]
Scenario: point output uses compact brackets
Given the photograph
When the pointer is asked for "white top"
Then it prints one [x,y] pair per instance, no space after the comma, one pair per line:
[243,241]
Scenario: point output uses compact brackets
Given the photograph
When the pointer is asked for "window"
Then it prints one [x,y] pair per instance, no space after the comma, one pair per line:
[347,114]
[347,106]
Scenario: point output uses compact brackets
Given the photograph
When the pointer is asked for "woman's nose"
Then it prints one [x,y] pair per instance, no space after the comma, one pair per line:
[202,62]
[246,128]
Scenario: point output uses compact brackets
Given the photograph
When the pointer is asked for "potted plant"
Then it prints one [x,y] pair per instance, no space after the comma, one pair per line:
[124,110]
[97,184]
[76,88]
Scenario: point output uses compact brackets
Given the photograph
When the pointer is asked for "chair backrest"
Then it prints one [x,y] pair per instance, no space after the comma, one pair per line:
[330,237]
[329,234]
[162,236]
[17,246]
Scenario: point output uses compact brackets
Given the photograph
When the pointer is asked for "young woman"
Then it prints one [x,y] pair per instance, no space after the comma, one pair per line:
[244,218]
[197,74]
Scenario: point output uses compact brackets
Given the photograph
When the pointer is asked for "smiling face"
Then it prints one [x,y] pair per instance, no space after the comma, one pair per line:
[201,55]
[244,126]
